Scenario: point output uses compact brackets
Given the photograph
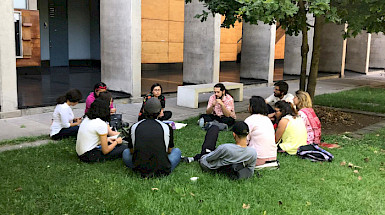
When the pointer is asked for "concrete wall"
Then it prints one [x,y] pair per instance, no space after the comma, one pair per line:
[32,4]
[258,49]
[8,79]
[333,49]
[78,29]
[357,53]
[120,33]
[377,51]
[201,46]
[95,29]
[292,65]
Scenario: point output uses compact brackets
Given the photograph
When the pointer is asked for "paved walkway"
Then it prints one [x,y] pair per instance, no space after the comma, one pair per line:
[37,121]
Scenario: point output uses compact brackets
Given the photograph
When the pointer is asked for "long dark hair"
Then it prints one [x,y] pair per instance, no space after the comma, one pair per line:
[99,85]
[286,108]
[99,109]
[258,105]
[156,85]
[73,95]
[106,96]
[222,88]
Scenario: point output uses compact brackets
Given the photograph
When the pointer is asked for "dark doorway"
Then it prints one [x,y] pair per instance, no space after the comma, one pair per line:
[58,32]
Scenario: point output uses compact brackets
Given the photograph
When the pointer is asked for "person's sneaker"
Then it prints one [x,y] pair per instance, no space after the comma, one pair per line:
[187,159]
[274,164]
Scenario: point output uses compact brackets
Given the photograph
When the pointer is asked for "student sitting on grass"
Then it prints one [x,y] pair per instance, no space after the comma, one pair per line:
[222,158]
[151,144]
[64,124]
[303,103]
[98,88]
[156,92]
[92,144]
[291,131]
[261,136]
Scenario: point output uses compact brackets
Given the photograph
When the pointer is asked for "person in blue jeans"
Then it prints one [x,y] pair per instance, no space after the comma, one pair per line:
[151,149]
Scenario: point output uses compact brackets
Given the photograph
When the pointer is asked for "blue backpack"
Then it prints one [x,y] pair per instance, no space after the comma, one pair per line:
[314,153]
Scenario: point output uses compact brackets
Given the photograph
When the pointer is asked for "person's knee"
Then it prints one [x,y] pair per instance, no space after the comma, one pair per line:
[176,151]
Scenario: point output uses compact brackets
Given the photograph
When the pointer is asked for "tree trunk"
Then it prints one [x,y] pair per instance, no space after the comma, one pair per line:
[312,80]
[304,46]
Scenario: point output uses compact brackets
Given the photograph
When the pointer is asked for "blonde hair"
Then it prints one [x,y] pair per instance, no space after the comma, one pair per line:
[304,100]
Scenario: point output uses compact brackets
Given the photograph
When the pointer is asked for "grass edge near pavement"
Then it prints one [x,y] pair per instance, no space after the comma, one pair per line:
[20,140]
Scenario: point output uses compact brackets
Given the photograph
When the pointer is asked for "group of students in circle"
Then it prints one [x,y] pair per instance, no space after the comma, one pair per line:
[280,123]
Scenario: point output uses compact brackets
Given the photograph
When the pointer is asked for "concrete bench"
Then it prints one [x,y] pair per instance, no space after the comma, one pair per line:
[187,96]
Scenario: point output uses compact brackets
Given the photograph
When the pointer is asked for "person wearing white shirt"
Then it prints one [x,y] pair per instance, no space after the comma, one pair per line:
[280,94]
[92,144]
[64,124]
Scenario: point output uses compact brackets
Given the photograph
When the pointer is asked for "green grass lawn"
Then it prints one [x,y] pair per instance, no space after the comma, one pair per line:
[21,140]
[51,180]
[364,98]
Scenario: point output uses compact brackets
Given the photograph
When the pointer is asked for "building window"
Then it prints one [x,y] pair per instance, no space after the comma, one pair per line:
[20,4]
[18,34]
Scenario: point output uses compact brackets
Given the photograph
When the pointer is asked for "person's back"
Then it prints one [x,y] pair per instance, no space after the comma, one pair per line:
[150,139]
[227,154]
[294,136]
[262,137]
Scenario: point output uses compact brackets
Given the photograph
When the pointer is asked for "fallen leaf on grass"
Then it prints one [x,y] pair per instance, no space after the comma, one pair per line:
[377,135]
[308,203]
[382,169]
[359,178]
[322,179]
[192,194]
[375,152]
[245,206]
[357,167]
[343,163]
[366,160]
[154,189]
[355,171]
[264,212]
[18,189]
[350,165]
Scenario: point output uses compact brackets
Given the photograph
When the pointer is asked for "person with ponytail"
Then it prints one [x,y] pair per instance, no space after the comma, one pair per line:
[303,103]
[220,106]
[63,122]
[291,131]
[98,88]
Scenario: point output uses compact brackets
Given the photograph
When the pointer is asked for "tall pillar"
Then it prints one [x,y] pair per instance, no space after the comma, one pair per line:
[32,4]
[8,76]
[358,52]
[333,49]
[293,59]
[377,54]
[120,40]
[201,46]
[258,48]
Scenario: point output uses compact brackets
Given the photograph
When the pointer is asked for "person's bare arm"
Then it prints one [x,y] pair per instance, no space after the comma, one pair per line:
[104,143]
[281,129]
[225,111]
[210,109]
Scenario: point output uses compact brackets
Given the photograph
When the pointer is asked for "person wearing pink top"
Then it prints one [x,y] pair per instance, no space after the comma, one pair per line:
[98,88]
[220,106]
[261,134]
[303,103]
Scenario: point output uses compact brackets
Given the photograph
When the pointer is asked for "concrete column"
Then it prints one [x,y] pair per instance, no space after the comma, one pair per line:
[258,48]
[32,4]
[377,53]
[293,59]
[8,77]
[201,48]
[333,49]
[358,52]
[120,35]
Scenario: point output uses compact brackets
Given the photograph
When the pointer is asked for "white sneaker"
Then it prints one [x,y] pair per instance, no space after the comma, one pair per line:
[269,165]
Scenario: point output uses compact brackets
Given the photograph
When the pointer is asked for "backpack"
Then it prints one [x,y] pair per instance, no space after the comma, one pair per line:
[314,153]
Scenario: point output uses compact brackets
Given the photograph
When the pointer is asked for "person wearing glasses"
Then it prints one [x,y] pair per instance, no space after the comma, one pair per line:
[156,92]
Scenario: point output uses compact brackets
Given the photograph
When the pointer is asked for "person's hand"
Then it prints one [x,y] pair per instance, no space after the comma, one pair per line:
[219,101]
[214,103]
[78,120]
[161,113]
[119,140]
[112,110]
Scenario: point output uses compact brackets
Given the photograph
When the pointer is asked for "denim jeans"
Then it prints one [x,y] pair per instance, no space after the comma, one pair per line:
[173,157]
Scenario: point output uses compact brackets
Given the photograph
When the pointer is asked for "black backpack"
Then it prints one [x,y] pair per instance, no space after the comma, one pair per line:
[314,153]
